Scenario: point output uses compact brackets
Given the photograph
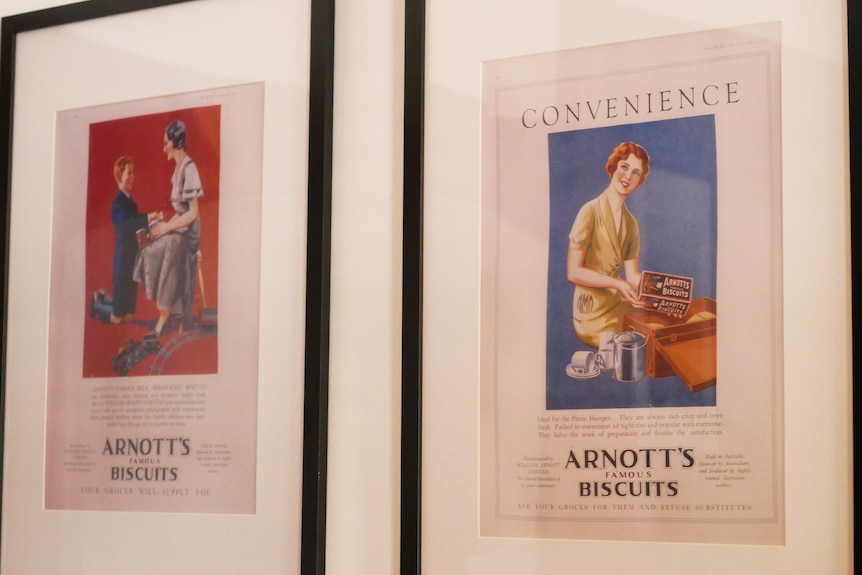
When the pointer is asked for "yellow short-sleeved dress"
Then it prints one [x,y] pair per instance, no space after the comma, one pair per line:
[595,310]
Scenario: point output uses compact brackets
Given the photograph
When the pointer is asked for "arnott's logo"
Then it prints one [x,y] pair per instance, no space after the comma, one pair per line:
[629,472]
[145,457]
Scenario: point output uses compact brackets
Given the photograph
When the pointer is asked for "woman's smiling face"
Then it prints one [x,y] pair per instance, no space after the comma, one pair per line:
[627,176]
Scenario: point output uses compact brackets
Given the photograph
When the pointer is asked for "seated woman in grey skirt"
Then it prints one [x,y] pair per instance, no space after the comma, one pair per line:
[167,267]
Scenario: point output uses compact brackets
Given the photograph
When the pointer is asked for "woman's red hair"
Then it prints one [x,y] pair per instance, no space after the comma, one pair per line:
[622,152]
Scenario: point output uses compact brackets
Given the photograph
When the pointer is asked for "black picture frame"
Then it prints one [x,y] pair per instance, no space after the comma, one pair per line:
[411,326]
[854,85]
[321,80]
[412,245]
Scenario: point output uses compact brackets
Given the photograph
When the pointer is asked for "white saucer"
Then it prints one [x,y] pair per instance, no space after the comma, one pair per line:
[570,371]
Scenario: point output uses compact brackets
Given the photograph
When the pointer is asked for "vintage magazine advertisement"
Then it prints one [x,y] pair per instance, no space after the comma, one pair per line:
[153,333]
[631,328]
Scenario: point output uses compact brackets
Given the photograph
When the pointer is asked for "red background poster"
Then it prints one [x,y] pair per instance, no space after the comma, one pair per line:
[141,137]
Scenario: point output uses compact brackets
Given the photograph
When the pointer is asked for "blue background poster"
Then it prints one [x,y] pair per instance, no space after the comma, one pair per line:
[676,212]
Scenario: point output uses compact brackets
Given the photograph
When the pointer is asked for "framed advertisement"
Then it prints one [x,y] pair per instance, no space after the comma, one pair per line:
[507,461]
[167,401]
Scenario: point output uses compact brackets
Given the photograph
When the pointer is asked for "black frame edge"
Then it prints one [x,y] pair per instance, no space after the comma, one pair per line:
[854,86]
[316,409]
[411,327]
[7,50]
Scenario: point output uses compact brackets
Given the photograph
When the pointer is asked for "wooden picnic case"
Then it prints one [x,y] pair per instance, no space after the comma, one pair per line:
[684,346]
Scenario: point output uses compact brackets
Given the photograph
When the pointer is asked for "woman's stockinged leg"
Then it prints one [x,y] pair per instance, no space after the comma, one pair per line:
[163,319]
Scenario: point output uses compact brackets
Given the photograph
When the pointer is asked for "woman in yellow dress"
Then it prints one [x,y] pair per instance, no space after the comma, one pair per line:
[604,242]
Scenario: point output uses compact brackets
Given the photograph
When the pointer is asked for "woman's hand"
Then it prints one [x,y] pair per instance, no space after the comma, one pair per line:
[629,293]
[177,222]
[159,230]
[577,274]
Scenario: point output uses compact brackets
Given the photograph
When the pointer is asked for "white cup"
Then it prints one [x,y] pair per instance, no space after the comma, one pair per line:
[583,362]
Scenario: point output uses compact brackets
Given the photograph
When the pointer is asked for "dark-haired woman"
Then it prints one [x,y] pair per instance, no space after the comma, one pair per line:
[166,268]
[604,242]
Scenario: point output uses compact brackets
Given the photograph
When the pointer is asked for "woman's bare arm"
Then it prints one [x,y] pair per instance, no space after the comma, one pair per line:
[577,274]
